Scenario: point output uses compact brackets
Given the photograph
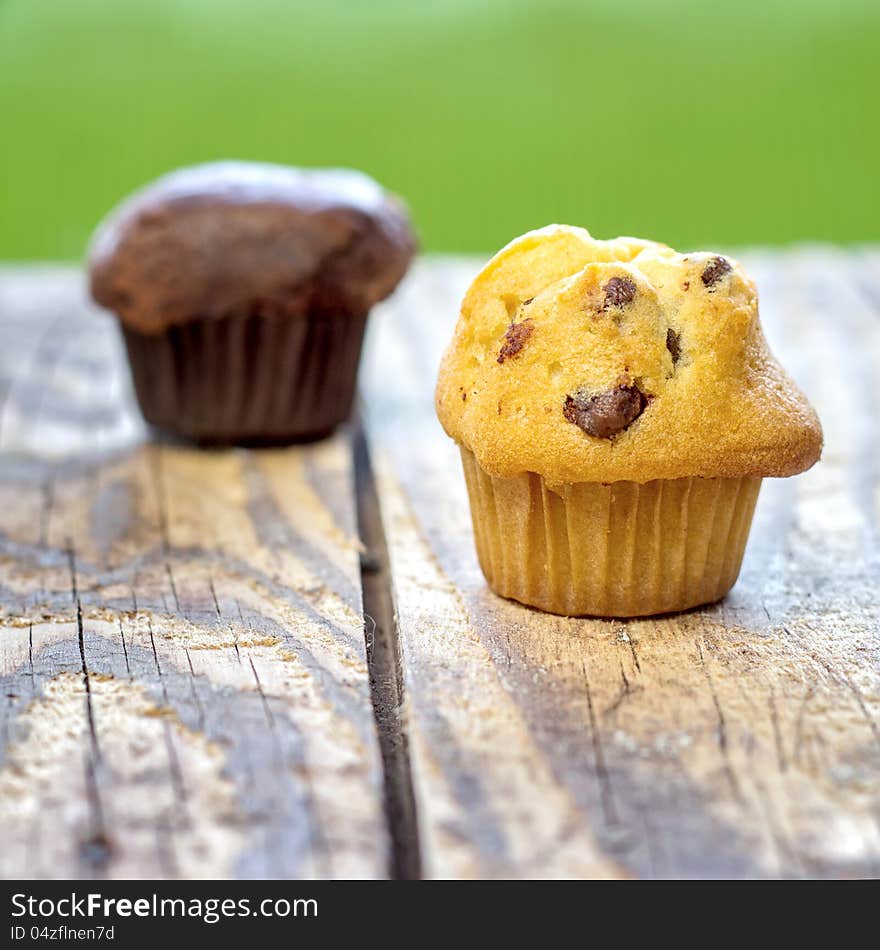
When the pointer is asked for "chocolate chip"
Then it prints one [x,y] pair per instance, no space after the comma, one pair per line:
[673,344]
[715,270]
[619,291]
[605,414]
[515,339]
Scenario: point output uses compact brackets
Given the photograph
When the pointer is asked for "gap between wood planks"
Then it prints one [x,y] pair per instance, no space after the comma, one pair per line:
[384,664]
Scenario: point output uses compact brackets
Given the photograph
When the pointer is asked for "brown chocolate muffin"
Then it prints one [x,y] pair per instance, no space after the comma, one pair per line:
[243,291]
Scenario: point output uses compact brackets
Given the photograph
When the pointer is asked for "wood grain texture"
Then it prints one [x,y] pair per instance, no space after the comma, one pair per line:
[185,689]
[738,740]
[185,680]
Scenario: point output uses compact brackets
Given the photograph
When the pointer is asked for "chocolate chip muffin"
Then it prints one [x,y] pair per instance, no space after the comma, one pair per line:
[243,291]
[616,407]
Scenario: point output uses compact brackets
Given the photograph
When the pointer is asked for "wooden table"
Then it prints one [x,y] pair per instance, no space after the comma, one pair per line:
[286,662]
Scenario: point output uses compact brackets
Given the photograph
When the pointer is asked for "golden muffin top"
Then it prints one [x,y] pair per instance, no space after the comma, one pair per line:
[600,361]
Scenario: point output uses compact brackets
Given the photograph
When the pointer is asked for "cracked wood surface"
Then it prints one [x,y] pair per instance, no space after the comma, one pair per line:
[185,688]
[738,740]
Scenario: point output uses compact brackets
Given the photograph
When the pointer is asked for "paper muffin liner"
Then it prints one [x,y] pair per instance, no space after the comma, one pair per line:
[622,549]
[248,379]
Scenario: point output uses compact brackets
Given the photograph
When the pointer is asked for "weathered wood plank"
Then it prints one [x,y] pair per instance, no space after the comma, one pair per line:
[738,740]
[185,689]
[205,711]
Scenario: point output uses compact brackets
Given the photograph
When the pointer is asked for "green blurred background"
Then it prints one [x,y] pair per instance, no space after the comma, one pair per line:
[695,123]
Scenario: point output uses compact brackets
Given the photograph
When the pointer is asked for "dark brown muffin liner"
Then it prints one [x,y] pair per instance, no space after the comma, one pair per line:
[248,379]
